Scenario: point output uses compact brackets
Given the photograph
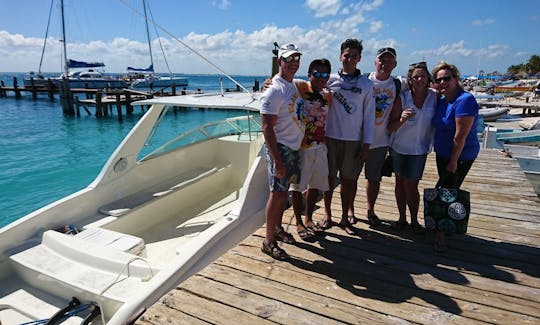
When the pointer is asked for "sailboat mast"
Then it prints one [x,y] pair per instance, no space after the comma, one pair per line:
[148,35]
[66,68]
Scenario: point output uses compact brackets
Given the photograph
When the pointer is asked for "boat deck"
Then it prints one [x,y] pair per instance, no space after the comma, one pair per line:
[490,275]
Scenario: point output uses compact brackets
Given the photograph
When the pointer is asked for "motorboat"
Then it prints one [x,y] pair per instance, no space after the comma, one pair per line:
[163,207]
[528,137]
[493,113]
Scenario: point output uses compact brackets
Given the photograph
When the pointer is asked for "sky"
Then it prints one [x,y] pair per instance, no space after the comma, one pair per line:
[237,36]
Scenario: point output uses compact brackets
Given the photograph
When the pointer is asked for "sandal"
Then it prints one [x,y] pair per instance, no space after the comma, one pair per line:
[417,228]
[352,219]
[399,225]
[315,228]
[325,224]
[373,219]
[439,248]
[349,229]
[284,236]
[274,251]
[306,234]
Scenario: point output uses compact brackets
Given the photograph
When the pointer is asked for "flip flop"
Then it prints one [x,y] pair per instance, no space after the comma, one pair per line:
[349,229]
[325,224]
[283,236]
[305,234]
[315,228]
[399,225]
[353,219]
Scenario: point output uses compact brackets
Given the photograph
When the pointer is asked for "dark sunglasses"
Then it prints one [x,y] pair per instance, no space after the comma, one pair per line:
[291,58]
[441,79]
[322,75]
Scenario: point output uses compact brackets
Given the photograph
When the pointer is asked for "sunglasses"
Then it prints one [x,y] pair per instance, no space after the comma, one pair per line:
[291,58]
[421,65]
[318,74]
[441,79]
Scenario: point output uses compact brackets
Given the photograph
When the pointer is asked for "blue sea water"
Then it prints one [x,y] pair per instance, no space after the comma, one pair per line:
[46,155]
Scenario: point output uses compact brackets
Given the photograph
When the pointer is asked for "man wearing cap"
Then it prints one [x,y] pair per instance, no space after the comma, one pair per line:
[283,124]
[349,129]
[387,100]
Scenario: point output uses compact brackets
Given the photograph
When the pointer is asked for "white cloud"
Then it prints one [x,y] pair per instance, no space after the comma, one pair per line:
[483,22]
[375,26]
[221,4]
[324,8]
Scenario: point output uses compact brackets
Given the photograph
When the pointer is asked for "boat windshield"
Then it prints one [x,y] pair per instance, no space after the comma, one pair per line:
[245,127]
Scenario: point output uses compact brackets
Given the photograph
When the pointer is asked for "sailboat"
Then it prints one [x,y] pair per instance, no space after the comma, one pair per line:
[89,78]
[146,77]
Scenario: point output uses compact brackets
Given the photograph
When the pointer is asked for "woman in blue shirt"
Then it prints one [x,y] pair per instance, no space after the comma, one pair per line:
[456,140]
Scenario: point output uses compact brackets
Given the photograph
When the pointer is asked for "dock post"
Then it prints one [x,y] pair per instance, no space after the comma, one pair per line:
[129,108]
[66,99]
[16,88]
[119,107]
[77,108]
[2,91]
[99,113]
[50,89]
[33,88]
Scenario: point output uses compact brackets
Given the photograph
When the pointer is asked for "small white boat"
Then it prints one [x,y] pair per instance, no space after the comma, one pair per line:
[494,113]
[153,80]
[144,225]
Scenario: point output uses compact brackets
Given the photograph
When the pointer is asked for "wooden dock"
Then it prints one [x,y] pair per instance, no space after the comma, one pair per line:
[383,276]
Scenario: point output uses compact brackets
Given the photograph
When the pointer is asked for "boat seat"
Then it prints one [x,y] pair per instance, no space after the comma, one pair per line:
[125,205]
[109,238]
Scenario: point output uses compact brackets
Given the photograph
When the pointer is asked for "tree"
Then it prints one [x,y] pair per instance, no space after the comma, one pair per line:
[531,67]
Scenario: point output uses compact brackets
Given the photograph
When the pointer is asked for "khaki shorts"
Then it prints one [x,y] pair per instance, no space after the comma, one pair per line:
[374,163]
[344,157]
[314,170]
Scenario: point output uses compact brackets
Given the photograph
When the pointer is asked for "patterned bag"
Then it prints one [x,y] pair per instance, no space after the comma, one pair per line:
[446,209]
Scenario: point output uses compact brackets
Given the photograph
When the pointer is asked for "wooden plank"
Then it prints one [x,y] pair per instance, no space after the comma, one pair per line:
[490,275]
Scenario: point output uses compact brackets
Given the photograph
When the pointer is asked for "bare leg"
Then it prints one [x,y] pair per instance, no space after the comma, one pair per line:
[274,213]
[327,196]
[372,192]
[413,198]
[401,198]
[311,197]
[297,202]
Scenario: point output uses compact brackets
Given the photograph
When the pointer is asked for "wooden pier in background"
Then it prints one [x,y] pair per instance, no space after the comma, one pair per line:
[383,276]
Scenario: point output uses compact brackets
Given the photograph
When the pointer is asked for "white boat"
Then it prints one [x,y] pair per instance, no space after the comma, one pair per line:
[147,78]
[90,78]
[144,225]
[493,113]
[529,137]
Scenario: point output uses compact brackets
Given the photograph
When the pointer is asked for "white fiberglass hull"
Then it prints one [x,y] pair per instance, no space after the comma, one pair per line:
[147,224]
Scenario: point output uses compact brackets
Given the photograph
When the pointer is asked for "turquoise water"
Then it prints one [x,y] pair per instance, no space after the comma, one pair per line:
[46,155]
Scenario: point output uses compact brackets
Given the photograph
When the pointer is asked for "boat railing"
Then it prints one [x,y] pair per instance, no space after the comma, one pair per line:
[243,126]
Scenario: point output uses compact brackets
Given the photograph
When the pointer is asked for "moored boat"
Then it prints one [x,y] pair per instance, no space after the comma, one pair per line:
[493,113]
[529,137]
[150,219]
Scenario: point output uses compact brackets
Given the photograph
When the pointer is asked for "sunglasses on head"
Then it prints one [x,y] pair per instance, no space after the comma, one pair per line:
[441,79]
[318,74]
[291,58]
[421,65]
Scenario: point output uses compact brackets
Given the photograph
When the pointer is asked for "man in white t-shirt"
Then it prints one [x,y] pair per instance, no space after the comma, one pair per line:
[283,124]
[386,100]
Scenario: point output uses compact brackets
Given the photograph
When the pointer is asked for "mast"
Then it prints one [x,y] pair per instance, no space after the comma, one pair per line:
[148,36]
[66,68]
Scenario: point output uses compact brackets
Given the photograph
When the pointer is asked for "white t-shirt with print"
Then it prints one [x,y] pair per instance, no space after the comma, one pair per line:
[385,95]
[283,99]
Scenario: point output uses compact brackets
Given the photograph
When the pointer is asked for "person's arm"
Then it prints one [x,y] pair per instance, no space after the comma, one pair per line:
[268,123]
[397,115]
[463,127]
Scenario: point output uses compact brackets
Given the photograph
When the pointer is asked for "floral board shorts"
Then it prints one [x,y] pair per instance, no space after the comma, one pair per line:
[291,160]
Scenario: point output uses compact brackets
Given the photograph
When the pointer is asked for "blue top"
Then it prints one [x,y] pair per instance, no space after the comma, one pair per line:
[445,126]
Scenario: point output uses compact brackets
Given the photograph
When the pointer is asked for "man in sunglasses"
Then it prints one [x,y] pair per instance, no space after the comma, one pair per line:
[349,130]
[283,124]
[313,154]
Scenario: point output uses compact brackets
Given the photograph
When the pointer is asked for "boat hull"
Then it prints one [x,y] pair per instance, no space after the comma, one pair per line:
[162,82]
[79,83]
